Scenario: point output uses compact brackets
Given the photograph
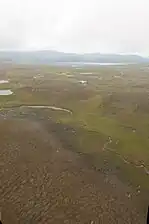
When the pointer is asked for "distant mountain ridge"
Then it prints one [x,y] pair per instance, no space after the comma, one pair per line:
[47,57]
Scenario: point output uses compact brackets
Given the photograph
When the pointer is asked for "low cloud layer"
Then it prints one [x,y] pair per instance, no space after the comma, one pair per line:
[75,25]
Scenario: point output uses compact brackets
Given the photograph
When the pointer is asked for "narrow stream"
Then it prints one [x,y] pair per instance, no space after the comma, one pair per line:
[49,107]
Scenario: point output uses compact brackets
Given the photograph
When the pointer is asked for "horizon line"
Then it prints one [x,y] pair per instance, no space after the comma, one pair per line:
[78,53]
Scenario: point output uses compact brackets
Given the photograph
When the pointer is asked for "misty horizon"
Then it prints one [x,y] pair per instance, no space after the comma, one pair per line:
[79,26]
[77,53]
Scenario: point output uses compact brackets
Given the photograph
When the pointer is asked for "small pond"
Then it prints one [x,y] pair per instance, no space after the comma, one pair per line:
[5,92]
[3,81]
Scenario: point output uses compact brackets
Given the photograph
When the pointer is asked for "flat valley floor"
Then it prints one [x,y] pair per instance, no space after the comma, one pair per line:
[85,159]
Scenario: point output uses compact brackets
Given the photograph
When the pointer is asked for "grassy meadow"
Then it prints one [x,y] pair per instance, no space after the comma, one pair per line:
[109,119]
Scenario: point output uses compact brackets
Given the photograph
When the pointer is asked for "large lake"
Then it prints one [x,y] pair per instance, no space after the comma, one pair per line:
[81,64]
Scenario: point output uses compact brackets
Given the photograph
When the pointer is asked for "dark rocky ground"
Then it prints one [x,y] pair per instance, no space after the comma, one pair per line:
[43,182]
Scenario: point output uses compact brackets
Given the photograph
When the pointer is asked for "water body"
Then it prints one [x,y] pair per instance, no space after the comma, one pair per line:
[105,64]
[3,81]
[49,107]
[84,82]
[86,73]
[81,64]
[5,92]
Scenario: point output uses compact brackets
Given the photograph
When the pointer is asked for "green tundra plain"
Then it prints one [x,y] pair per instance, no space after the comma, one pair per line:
[99,115]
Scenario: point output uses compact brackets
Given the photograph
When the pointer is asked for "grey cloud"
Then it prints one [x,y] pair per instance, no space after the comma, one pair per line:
[75,25]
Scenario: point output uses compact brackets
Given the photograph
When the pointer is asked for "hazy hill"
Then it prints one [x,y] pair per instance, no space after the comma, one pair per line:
[44,57]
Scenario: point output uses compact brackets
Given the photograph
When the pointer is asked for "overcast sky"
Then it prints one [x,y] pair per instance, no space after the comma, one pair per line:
[104,26]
